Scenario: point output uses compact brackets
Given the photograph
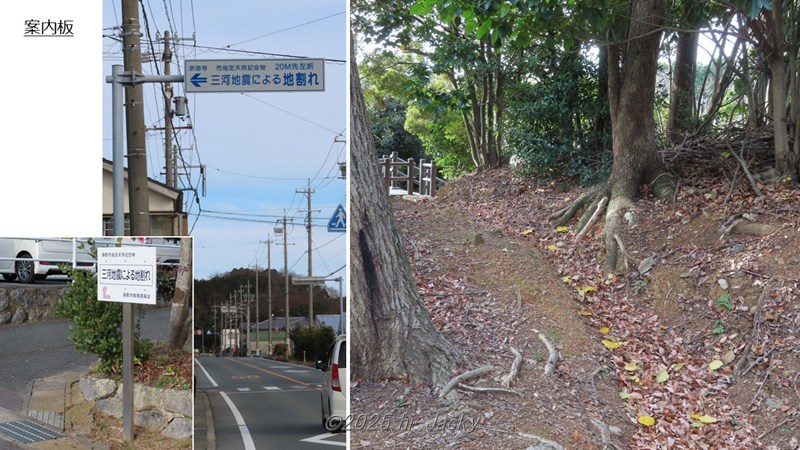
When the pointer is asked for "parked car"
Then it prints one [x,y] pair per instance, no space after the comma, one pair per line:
[38,258]
[334,386]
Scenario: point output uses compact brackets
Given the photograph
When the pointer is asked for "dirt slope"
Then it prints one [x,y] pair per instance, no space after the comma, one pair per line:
[495,274]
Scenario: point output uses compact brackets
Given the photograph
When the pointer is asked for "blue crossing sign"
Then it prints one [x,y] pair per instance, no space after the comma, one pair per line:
[338,222]
[255,75]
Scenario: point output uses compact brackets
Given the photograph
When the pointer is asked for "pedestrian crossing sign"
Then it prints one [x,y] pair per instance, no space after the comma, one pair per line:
[338,222]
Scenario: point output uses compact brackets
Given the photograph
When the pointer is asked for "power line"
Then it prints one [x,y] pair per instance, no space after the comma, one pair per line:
[287,29]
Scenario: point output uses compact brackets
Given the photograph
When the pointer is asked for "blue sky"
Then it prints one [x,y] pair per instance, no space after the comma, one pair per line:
[258,148]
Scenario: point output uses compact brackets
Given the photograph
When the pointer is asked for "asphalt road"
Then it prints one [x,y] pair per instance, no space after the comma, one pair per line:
[51,280]
[37,350]
[264,404]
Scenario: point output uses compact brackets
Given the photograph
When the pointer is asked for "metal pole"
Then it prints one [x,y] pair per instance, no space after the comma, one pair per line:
[118,185]
[341,308]
[258,323]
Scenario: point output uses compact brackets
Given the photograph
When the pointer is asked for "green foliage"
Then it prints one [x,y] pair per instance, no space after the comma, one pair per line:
[314,341]
[95,325]
[556,121]
[724,300]
[442,132]
[280,351]
[719,328]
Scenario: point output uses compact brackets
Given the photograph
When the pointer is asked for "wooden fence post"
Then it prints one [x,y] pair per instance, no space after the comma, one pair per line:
[422,176]
[387,173]
[410,176]
[433,178]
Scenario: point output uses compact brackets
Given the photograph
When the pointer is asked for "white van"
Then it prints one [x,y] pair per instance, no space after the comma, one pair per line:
[334,386]
[28,260]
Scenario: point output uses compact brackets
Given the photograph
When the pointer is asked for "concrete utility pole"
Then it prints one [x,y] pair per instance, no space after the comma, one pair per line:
[268,242]
[138,200]
[169,165]
[249,297]
[286,277]
[308,191]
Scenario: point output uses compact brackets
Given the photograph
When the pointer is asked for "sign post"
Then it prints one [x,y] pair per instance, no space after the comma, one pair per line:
[127,275]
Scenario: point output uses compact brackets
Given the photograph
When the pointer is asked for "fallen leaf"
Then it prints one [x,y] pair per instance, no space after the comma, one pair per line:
[562,229]
[705,418]
[552,247]
[646,421]
[678,367]
[527,232]
[605,330]
[611,344]
[715,364]
[567,279]
[662,376]
[625,395]
[631,367]
[586,289]
[584,313]
[728,357]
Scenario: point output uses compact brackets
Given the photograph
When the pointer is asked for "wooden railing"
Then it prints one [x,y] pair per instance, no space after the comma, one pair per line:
[401,174]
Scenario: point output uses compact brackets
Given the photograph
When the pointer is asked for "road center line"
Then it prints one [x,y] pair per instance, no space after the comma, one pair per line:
[214,383]
[272,373]
[246,438]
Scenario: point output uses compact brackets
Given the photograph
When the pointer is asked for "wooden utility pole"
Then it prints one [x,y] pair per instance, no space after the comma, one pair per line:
[138,201]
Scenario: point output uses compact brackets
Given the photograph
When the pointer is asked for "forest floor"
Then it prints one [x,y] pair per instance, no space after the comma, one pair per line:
[694,347]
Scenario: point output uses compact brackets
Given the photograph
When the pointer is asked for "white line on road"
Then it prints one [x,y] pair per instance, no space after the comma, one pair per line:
[214,383]
[243,389]
[248,440]
[271,388]
[320,439]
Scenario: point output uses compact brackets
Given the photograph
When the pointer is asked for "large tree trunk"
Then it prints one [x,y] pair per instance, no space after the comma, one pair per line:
[392,334]
[631,95]
[178,323]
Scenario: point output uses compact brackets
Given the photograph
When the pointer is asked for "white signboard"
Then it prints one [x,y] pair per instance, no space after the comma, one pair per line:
[126,274]
[255,75]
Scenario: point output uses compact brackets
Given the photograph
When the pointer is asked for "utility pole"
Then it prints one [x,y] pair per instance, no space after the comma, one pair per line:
[268,242]
[286,277]
[308,191]
[258,323]
[248,317]
[139,208]
[168,152]
[138,201]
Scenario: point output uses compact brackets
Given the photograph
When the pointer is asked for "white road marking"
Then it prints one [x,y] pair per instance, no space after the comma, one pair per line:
[246,438]
[320,439]
[271,388]
[242,389]
[214,383]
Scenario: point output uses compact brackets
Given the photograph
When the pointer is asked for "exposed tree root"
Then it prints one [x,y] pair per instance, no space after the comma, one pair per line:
[488,389]
[566,214]
[508,378]
[600,207]
[463,377]
[550,366]
[545,443]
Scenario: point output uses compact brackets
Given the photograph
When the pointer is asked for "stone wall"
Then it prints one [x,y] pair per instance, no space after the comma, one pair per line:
[165,411]
[28,303]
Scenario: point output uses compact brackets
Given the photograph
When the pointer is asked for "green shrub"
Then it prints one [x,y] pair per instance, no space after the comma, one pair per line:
[314,341]
[280,351]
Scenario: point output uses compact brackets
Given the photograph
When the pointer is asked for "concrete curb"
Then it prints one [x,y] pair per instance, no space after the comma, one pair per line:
[204,419]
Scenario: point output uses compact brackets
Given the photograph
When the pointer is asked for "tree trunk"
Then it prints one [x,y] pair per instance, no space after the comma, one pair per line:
[631,94]
[178,325]
[681,108]
[392,334]
[785,162]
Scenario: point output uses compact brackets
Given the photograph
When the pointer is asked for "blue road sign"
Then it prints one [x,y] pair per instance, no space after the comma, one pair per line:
[338,222]
[255,75]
